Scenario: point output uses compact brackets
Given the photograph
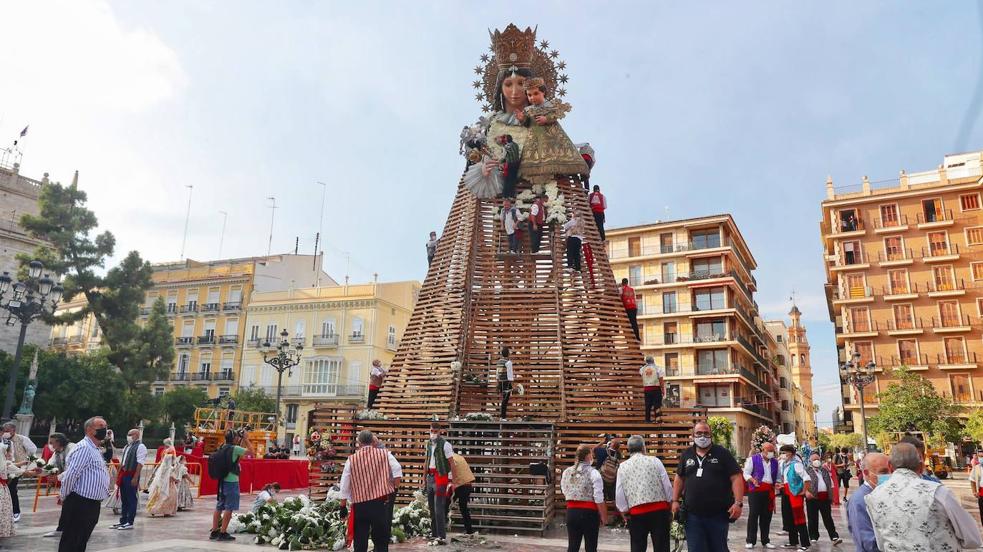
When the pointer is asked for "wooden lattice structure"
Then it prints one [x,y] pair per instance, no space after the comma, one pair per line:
[212,423]
[572,346]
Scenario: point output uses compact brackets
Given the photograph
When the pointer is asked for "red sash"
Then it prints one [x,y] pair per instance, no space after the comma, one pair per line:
[439,482]
[374,387]
[123,473]
[798,507]
[581,505]
[648,507]
[822,496]
[766,488]
[651,387]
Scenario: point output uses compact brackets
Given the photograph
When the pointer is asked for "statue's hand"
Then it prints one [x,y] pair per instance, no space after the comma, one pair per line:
[520,115]
[488,166]
[541,120]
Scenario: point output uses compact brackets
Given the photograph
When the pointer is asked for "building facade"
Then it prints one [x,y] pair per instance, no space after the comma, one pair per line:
[698,317]
[18,197]
[342,329]
[786,398]
[904,268]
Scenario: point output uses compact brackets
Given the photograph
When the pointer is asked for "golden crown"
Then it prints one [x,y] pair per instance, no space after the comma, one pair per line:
[512,47]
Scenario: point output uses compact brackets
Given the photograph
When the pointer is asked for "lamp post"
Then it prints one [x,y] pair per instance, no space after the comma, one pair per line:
[282,356]
[25,302]
[859,375]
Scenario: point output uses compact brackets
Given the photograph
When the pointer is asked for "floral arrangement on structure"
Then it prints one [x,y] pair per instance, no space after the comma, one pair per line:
[456,366]
[762,435]
[366,414]
[553,200]
[476,417]
[520,389]
[47,468]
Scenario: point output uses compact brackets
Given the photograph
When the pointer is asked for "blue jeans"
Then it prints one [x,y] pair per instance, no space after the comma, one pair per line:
[128,495]
[228,497]
[707,533]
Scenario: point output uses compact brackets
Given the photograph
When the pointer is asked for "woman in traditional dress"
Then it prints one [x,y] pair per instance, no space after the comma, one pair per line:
[163,489]
[8,470]
[583,489]
[185,500]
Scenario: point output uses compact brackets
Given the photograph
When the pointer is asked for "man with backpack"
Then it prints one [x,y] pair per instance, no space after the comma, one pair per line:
[223,467]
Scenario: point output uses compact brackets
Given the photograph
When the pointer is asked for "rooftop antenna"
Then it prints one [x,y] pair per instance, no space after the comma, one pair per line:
[317,271]
[348,265]
[269,247]
[187,218]
[221,237]
[324,193]
[296,244]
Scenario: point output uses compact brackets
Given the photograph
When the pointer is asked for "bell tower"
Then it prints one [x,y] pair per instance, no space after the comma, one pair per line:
[798,349]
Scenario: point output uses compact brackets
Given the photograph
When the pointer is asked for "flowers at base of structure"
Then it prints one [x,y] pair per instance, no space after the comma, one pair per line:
[677,534]
[366,414]
[456,366]
[519,389]
[476,417]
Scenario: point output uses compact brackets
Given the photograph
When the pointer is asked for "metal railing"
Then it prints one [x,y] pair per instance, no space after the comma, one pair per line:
[934,286]
[939,216]
[210,307]
[206,340]
[224,375]
[854,225]
[952,321]
[909,324]
[184,341]
[201,376]
[901,254]
[326,340]
[298,341]
[894,222]
[228,339]
[752,350]
[255,342]
[315,390]
[940,250]
[179,376]
[890,290]
[956,357]
[190,308]
[677,339]
[895,361]
[356,338]
[853,258]
[231,306]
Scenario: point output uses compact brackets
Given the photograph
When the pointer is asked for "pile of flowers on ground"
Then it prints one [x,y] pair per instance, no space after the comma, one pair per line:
[299,524]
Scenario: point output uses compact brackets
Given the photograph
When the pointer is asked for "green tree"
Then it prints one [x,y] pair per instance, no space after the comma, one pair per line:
[254,399]
[846,440]
[722,431]
[178,405]
[912,404]
[974,425]
[75,388]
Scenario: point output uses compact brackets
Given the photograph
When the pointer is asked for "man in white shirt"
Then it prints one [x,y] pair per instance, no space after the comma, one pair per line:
[128,481]
[821,486]
[506,375]
[439,481]
[377,376]
[510,221]
[795,492]
[653,383]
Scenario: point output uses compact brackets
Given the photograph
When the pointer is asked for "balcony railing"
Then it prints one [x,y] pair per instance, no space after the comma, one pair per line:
[944,215]
[298,341]
[189,309]
[392,345]
[144,311]
[224,375]
[184,341]
[180,376]
[229,339]
[862,326]
[255,342]
[901,254]
[206,340]
[231,306]
[904,324]
[952,321]
[316,390]
[356,338]
[326,340]
[170,309]
[677,339]
[58,341]
[861,292]
[851,258]
[899,290]
[854,225]
[935,287]
[940,250]
[887,362]
[201,376]
[891,222]
[210,307]
[956,357]
[752,350]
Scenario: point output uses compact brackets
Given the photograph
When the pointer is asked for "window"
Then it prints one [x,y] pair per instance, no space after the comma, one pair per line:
[640,303]
[672,396]
[849,220]
[706,268]
[715,395]
[321,376]
[955,350]
[785,405]
[192,299]
[668,272]
[977,270]
[235,295]
[938,243]
[851,253]
[213,294]
[889,216]
[714,330]
[205,366]
[231,326]
[668,302]
[188,328]
[711,362]
[665,243]
[254,333]
[932,209]
[969,202]
[327,328]
[158,391]
[357,327]
[210,330]
[866,350]
[299,329]
[227,359]
[705,239]
[670,333]
[782,382]
[943,278]
[223,391]
[271,333]
[899,281]
[391,336]
[893,248]
[859,319]
[855,285]
[974,235]
[671,363]
[949,313]
[908,352]
[779,338]
[292,413]
[709,299]
[172,302]
[634,276]
[95,329]
[903,317]
[634,247]
[979,307]
[183,362]
[961,393]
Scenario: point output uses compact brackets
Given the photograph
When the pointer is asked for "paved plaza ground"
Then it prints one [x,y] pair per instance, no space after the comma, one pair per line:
[188,531]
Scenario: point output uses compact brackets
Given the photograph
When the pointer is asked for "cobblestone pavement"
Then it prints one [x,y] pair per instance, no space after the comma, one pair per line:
[188,532]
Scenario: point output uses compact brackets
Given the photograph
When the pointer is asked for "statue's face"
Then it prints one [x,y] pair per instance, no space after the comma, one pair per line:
[514,92]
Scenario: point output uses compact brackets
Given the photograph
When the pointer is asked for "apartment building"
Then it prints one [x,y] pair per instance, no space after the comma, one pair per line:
[698,317]
[786,399]
[342,329]
[904,267]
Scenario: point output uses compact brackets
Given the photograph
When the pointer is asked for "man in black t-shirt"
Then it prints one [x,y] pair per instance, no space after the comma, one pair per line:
[712,485]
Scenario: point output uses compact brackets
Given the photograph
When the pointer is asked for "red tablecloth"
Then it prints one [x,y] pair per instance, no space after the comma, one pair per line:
[254,474]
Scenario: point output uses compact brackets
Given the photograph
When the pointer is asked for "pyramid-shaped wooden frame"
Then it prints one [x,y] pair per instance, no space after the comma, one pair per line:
[573,349]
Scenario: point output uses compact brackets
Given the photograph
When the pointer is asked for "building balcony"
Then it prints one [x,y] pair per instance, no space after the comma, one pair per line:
[939,219]
[223,375]
[58,341]
[179,376]
[956,360]
[211,308]
[184,342]
[895,257]
[849,229]
[190,308]
[752,350]
[952,324]
[352,391]
[201,376]
[171,309]
[853,261]
[940,253]
[326,341]
[672,340]
[208,339]
[145,311]
[356,339]
[910,326]
[861,294]
[254,343]
[899,293]
[946,289]
[75,340]
[298,342]
[888,225]
[228,340]
[232,306]
[861,328]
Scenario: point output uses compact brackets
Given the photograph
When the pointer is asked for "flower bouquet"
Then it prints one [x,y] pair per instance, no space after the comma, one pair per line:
[366,414]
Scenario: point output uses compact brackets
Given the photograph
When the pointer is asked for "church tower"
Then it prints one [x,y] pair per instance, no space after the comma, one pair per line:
[798,348]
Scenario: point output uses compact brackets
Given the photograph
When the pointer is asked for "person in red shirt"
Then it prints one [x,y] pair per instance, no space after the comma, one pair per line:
[631,305]
[597,206]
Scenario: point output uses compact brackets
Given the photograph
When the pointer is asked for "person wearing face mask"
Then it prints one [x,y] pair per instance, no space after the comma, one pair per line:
[370,476]
[911,513]
[439,482]
[20,449]
[642,494]
[874,466]
[712,486]
[62,450]
[83,488]
[976,480]
[794,493]
[128,479]
[761,475]
[821,486]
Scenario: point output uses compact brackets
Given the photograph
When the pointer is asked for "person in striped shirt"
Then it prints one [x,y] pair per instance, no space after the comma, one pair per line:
[84,485]
[369,477]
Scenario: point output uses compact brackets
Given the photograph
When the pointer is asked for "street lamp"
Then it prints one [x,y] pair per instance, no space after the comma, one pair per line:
[282,357]
[859,375]
[25,302]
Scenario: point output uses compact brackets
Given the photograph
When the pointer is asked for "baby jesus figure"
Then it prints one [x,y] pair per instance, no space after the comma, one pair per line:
[548,151]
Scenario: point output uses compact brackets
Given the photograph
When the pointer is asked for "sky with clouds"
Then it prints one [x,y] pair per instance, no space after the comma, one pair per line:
[693,109]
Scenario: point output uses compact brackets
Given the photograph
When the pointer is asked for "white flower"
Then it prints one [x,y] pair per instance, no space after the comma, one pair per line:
[456,366]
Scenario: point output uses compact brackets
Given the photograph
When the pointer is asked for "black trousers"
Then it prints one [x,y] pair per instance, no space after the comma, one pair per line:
[373,395]
[14,501]
[81,516]
[506,395]
[582,525]
[979,500]
[633,319]
[797,534]
[463,496]
[654,526]
[786,507]
[510,180]
[816,507]
[370,518]
[653,401]
[599,219]
[535,238]
[573,253]
[759,517]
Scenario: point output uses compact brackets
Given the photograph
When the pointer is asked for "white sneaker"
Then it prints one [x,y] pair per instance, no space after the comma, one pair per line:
[16,518]
[54,533]
[769,546]
[837,541]
[127,527]
[748,545]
